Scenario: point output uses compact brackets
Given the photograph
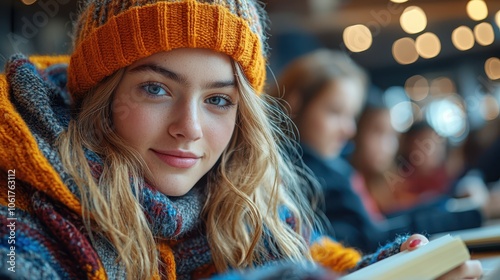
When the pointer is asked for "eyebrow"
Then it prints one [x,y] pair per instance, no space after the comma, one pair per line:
[151,67]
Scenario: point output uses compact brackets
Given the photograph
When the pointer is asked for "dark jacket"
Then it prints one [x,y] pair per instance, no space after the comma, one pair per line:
[488,163]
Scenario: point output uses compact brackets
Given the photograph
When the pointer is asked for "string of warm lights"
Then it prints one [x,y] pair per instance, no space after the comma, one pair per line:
[484,34]
[413,20]
[435,98]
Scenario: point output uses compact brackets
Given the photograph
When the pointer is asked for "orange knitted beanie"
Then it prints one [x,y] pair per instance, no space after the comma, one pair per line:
[112,34]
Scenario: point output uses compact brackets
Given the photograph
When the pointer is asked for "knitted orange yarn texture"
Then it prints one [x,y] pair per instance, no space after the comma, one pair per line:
[42,61]
[168,261]
[333,255]
[141,31]
[19,151]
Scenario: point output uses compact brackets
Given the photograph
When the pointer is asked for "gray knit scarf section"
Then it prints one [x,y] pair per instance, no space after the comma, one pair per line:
[42,100]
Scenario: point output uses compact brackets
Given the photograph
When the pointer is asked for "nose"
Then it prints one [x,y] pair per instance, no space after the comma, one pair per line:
[185,121]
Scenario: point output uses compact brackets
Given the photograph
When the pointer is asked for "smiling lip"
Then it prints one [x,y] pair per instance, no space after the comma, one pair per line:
[177,159]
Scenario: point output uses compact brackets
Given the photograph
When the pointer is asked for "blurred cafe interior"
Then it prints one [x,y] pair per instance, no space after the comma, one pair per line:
[419,52]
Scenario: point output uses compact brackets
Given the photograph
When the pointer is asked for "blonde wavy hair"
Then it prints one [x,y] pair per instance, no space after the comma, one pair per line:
[259,172]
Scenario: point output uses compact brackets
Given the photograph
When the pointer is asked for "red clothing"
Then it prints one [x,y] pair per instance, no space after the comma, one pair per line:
[418,188]
[359,186]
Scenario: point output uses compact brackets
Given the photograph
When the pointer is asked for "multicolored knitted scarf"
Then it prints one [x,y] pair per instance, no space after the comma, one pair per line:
[44,235]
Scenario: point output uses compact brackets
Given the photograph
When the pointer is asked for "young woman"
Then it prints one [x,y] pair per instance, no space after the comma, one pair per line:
[323,92]
[152,153]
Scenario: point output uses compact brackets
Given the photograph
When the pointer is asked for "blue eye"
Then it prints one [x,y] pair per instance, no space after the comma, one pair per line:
[220,101]
[154,89]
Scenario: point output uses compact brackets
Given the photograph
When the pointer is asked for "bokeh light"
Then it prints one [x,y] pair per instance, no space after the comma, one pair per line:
[462,38]
[402,116]
[490,108]
[413,20]
[484,34]
[477,10]
[442,85]
[396,99]
[417,112]
[404,51]
[417,87]
[357,38]
[492,68]
[497,18]
[428,45]
[447,117]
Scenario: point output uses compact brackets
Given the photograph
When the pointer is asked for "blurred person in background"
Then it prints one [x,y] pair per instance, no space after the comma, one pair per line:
[375,147]
[445,201]
[424,153]
[324,92]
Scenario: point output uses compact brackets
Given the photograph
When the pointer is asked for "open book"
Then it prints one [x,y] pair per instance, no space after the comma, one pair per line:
[478,239]
[426,262]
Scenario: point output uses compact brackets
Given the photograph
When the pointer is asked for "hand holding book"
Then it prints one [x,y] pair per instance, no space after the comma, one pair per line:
[468,270]
[443,258]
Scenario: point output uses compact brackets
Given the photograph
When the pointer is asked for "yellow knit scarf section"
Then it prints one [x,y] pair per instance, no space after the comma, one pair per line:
[333,255]
[19,151]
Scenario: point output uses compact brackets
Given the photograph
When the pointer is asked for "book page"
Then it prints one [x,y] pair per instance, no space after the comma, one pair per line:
[427,262]
[487,235]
